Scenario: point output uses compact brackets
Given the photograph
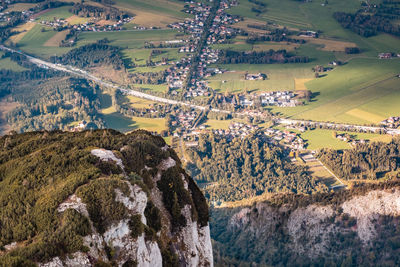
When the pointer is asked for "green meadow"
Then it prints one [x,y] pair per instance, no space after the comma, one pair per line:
[7,63]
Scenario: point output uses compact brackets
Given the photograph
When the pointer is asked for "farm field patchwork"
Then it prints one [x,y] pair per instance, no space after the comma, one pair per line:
[366,84]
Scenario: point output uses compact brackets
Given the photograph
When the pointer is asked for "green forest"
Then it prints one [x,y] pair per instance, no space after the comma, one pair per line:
[372,161]
[248,167]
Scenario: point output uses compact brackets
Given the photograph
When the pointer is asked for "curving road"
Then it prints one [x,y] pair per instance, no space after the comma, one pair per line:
[89,76]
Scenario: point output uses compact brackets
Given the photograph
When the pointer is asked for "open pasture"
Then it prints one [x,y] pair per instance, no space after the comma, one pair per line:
[7,63]
[129,39]
[122,123]
[22,29]
[56,39]
[58,13]
[136,102]
[156,13]
[34,42]
[369,85]
[20,7]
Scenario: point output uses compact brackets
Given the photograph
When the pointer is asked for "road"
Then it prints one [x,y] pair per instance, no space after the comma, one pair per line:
[84,74]
[339,125]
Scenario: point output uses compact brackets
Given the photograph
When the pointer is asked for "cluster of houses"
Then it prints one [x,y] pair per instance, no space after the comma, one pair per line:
[88,26]
[236,130]
[275,98]
[286,138]
[219,32]
[184,120]
[347,138]
[388,55]
[177,74]
[6,16]
[392,122]
[256,76]
[311,34]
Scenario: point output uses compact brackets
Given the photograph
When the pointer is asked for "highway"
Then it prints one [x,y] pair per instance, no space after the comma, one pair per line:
[84,74]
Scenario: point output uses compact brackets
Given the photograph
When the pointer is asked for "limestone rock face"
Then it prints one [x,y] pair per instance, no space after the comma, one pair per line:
[304,231]
[138,207]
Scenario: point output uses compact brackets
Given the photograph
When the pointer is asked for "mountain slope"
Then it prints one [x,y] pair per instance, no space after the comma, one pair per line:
[98,198]
[357,227]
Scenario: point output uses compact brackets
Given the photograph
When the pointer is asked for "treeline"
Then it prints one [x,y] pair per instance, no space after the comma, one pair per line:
[91,55]
[274,35]
[109,13]
[372,20]
[262,57]
[147,77]
[366,161]
[245,168]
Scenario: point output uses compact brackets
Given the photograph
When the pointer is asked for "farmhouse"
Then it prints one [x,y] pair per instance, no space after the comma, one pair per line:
[252,77]
[385,55]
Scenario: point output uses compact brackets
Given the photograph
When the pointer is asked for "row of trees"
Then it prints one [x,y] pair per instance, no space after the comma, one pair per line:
[109,13]
[95,54]
[367,24]
[262,57]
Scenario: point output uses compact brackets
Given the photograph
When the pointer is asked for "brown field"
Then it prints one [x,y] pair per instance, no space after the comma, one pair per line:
[365,115]
[110,74]
[243,25]
[136,102]
[76,20]
[19,7]
[56,39]
[330,45]
[105,22]
[149,19]
[23,29]
[299,84]
[5,107]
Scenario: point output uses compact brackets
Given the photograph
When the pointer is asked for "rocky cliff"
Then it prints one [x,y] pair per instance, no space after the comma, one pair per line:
[355,227]
[98,198]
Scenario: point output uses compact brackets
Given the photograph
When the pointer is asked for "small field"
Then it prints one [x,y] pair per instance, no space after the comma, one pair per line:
[129,39]
[321,138]
[121,123]
[279,77]
[19,7]
[159,88]
[34,42]
[5,107]
[155,13]
[58,13]
[22,29]
[7,63]
[117,121]
[136,102]
[56,39]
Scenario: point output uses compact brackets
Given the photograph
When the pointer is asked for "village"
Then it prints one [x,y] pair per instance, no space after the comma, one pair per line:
[218,32]
[62,24]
